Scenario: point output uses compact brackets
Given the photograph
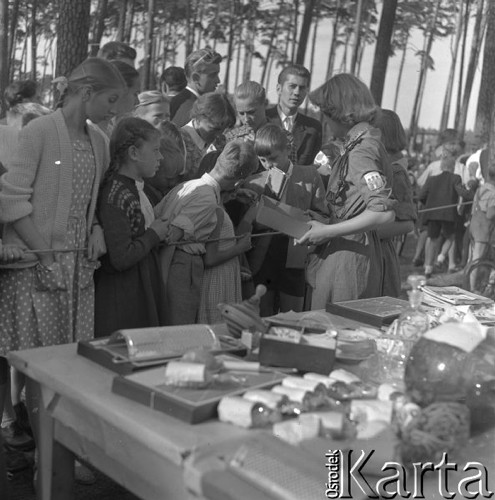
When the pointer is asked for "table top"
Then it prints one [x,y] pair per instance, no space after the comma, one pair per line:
[62,372]
[89,385]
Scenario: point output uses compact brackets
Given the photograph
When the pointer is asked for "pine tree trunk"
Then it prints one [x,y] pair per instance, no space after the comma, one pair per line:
[148,39]
[72,35]
[230,46]
[4,49]
[11,40]
[99,26]
[121,26]
[383,49]
[486,99]
[461,68]
[34,42]
[129,22]
[333,44]
[249,44]
[478,33]
[422,74]
[305,27]
[273,37]
[450,82]
[295,29]
[401,71]
[357,35]
[238,62]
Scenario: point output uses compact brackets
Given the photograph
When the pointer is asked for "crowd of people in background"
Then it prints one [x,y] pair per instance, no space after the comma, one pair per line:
[129,209]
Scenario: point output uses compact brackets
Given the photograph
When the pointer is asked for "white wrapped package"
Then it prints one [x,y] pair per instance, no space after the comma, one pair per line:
[344,376]
[302,383]
[242,412]
[322,379]
[295,431]
[331,420]
[297,395]
[270,399]
[184,374]
[371,410]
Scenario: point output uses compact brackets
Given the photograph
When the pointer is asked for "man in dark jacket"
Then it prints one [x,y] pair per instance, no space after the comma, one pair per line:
[304,132]
[202,68]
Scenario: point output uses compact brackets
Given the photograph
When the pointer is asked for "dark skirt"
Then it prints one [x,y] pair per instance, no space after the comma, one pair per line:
[133,298]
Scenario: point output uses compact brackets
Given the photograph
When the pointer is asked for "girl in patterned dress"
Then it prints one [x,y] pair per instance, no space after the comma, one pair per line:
[47,202]
[129,289]
[222,275]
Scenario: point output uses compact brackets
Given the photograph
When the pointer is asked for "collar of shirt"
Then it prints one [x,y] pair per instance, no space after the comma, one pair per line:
[197,139]
[286,119]
[208,179]
[355,132]
[193,91]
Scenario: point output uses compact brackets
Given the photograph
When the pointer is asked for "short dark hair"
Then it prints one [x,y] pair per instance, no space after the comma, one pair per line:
[270,138]
[199,60]
[448,135]
[174,77]
[237,160]
[18,92]
[215,108]
[393,134]
[117,50]
[296,70]
[129,74]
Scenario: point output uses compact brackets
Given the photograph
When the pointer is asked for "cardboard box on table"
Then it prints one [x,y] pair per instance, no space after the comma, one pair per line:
[301,356]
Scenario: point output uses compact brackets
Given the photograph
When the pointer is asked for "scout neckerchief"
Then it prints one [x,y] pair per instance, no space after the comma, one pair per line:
[341,166]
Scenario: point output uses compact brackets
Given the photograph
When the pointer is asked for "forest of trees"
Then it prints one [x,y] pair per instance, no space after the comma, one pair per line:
[42,39]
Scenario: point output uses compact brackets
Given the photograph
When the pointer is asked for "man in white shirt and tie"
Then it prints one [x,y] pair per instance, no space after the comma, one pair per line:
[304,132]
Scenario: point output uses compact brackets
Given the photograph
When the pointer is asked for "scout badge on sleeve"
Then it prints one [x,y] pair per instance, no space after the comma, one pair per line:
[374,181]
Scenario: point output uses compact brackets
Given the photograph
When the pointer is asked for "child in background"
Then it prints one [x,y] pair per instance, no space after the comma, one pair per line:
[394,140]
[129,292]
[172,165]
[222,274]
[441,190]
[211,114]
[272,265]
[191,209]
[153,107]
[47,202]
[482,225]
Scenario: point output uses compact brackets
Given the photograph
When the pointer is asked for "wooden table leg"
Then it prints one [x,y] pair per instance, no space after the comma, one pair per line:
[55,479]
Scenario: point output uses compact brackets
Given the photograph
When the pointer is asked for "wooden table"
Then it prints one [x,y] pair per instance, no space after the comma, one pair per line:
[150,453]
[139,448]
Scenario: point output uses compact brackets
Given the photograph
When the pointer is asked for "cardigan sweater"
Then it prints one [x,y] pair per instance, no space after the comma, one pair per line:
[39,180]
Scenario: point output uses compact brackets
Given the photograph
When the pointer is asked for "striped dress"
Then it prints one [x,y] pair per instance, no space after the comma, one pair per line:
[222,283]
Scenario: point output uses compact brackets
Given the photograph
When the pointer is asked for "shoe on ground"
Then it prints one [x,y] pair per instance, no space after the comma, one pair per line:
[83,475]
[22,418]
[16,461]
[417,262]
[15,437]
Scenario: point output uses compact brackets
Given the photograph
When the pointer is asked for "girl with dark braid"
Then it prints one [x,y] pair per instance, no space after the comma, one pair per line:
[129,290]
[348,261]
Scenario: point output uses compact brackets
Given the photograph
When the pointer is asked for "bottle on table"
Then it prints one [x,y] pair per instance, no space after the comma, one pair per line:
[404,332]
